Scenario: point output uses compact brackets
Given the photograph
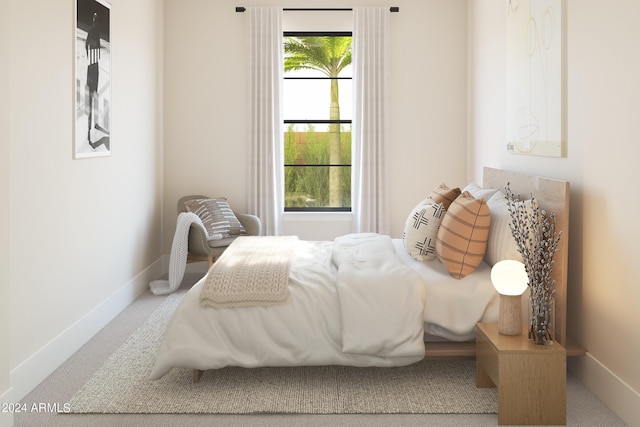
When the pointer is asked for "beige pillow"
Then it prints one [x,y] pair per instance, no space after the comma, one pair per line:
[421,230]
[463,233]
[217,217]
[445,195]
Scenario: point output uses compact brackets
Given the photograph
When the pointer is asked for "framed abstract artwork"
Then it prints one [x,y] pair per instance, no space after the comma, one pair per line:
[92,89]
[534,77]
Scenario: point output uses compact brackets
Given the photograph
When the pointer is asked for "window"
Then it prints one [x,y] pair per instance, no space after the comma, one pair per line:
[317,118]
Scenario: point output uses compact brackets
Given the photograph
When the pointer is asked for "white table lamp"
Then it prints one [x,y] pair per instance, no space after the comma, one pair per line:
[510,280]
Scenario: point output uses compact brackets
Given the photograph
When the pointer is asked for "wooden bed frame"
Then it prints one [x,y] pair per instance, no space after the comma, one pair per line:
[553,196]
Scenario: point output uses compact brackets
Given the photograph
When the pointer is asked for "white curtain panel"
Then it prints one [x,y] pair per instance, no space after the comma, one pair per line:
[370,94]
[266,158]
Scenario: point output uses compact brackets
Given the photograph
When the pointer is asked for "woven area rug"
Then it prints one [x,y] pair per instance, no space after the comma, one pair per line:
[122,385]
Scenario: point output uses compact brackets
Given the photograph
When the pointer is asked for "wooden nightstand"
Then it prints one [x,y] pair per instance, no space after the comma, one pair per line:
[531,379]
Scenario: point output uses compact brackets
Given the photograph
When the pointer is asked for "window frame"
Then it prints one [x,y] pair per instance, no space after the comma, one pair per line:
[287,121]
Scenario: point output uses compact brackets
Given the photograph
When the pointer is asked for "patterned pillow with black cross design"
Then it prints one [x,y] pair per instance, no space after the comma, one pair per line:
[421,229]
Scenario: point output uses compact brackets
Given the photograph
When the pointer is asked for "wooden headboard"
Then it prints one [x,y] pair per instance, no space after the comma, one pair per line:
[553,196]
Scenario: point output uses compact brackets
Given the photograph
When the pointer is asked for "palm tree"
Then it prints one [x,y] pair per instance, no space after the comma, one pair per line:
[328,55]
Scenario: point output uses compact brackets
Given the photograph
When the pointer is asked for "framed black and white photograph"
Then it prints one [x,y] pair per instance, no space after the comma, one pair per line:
[92,98]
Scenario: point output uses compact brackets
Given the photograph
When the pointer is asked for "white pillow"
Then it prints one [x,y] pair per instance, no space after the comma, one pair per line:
[478,192]
[421,229]
[501,244]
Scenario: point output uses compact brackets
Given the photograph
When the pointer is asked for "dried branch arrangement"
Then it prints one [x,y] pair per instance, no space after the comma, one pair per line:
[535,233]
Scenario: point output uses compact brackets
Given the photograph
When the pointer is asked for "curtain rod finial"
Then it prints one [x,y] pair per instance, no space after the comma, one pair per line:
[240,9]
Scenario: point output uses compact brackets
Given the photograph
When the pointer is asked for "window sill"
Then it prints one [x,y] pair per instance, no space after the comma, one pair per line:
[317,216]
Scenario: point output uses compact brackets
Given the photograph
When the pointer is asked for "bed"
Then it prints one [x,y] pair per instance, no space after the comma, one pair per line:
[408,310]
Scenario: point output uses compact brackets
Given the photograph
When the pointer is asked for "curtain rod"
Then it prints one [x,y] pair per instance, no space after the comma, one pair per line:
[391,9]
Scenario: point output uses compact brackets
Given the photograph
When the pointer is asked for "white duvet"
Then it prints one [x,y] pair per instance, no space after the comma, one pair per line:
[356,301]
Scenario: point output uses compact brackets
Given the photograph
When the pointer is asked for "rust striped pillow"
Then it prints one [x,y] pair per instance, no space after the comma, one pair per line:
[445,195]
[462,237]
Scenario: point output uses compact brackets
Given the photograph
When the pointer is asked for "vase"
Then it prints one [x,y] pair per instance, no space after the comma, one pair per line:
[541,319]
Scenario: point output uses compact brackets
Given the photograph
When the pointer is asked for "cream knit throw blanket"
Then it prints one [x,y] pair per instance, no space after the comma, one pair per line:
[179,251]
[252,272]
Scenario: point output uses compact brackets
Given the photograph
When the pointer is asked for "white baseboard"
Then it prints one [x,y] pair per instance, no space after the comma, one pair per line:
[26,376]
[608,387]
[6,418]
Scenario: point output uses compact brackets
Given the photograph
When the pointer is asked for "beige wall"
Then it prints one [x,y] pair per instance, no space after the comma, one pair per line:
[602,109]
[205,79]
[84,233]
[5,294]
